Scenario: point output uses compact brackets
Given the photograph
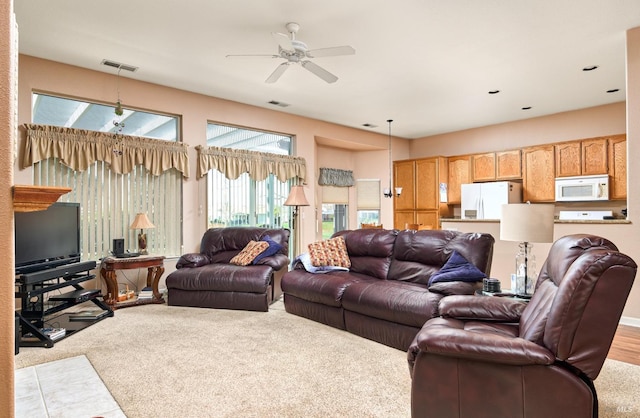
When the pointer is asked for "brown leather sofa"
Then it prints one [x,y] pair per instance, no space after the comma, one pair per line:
[385,295]
[499,357]
[208,280]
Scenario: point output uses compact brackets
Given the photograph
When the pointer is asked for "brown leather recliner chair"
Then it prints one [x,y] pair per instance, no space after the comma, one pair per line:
[500,357]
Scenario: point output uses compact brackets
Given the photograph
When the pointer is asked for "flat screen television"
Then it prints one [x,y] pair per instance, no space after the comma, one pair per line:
[48,238]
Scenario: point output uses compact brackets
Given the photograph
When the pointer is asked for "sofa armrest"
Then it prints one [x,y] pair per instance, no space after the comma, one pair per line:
[192,260]
[446,338]
[276,261]
[485,308]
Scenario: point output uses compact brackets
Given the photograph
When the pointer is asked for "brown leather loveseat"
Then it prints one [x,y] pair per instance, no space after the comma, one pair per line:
[385,296]
[208,279]
[499,357]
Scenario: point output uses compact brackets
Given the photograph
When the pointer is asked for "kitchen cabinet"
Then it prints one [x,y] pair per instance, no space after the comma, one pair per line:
[568,159]
[404,176]
[594,156]
[538,174]
[617,157]
[581,158]
[419,202]
[459,173]
[427,184]
[508,165]
[484,166]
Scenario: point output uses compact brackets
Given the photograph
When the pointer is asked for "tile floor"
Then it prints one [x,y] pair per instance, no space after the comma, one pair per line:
[43,391]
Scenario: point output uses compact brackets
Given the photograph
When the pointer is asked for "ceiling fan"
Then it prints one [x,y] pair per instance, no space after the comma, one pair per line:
[296,52]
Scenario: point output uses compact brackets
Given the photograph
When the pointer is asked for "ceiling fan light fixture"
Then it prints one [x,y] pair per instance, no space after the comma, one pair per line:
[297,52]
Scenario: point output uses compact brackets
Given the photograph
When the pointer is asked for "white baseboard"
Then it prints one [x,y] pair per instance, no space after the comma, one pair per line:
[627,320]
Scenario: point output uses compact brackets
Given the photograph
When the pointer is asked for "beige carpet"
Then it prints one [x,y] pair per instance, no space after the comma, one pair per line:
[185,362]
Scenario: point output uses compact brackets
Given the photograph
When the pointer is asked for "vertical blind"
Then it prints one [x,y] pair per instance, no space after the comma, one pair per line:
[109,202]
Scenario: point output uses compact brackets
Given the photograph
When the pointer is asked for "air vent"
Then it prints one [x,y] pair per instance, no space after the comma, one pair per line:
[119,65]
[277,103]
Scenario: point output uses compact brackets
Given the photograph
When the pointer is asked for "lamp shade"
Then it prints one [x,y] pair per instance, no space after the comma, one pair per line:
[524,222]
[141,222]
[296,197]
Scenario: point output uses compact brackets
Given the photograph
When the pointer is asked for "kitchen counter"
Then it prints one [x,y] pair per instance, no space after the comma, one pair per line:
[557,221]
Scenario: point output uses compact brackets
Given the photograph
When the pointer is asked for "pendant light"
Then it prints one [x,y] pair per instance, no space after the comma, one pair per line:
[387,191]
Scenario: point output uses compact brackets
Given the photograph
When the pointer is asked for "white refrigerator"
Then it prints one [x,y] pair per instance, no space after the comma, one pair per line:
[485,200]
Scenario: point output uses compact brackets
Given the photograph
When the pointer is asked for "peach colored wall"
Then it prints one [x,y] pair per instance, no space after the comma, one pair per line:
[195,109]
[586,123]
[7,145]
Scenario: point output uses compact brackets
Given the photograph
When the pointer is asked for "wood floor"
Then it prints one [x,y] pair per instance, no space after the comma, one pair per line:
[626,345]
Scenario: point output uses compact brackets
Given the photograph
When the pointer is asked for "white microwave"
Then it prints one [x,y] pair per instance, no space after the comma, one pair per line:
[582,188]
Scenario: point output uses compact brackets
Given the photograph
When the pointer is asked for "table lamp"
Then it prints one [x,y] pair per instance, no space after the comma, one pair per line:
[526,223]
[142,222]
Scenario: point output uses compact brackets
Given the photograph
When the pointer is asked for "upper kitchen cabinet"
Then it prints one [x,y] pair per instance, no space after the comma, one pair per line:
[538,175]
[582,158]
[427,184]
[484,166]
[508,165]
[568,159]
[617,155]
[419,201]
[404,176]
[459,173]
[594,156]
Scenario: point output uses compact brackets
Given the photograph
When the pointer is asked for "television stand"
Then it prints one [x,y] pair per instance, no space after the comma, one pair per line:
[41,318]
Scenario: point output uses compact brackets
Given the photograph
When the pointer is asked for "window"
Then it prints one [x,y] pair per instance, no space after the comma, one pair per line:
[244,201]
[368,192]
[335,202]
[110,199]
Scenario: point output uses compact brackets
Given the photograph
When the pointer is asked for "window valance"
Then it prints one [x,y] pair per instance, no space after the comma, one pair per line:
[335,177]
[80,148]
[233,162]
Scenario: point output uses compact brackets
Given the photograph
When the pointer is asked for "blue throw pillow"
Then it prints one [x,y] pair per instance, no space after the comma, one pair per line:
[457,268]
[272,249]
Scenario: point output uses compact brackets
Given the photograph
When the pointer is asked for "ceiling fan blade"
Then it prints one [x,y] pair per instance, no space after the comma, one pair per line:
[320,72]
[283,40]
[330,52]
[280,69]
[252,55]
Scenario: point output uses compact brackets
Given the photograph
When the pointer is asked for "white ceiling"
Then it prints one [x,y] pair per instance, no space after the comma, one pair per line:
[427,64]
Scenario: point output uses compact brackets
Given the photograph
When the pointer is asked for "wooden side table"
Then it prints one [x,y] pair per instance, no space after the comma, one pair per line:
[155,269]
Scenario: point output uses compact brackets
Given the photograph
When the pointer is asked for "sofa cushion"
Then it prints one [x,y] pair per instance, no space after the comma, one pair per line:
[249,253]
[272,249]
[369,250]
[325,289]
[457,268]
[221,278]
[330,252]
[398,302]
[417,255]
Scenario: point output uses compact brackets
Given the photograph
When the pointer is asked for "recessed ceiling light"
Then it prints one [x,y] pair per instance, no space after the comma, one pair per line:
[613,90]
[526,108]
[494,91]
[590,68]
[369,125]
